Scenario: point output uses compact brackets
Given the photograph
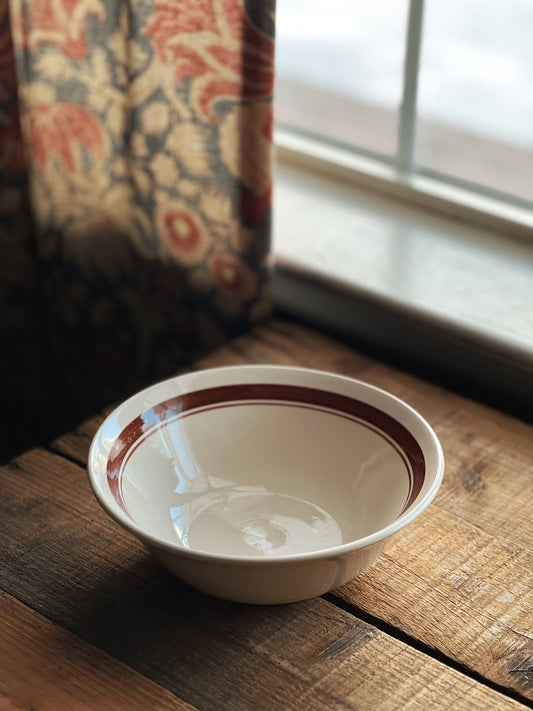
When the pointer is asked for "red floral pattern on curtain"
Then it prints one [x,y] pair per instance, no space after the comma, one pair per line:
[147,135]
[62,131]
[217,46]
[61,23]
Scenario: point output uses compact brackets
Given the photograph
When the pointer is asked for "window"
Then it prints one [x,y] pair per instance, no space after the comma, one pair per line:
[333,79]
[438,90]
[404,133]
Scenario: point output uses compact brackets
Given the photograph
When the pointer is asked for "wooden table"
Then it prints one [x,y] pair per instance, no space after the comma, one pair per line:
[443,620]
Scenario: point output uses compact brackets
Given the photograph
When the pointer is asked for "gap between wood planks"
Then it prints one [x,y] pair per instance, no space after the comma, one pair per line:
[57,451]
[383,626]
[420,646]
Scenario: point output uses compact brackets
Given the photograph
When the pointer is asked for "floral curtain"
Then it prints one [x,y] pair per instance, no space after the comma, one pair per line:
[135,187]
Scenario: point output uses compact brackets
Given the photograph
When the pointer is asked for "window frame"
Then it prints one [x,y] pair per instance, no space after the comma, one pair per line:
[399,175]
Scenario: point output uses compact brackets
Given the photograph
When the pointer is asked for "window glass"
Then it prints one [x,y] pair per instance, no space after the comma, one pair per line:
[339,69]
[475,99]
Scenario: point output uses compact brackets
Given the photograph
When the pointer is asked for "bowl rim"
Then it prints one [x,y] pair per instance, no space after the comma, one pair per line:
[112,508]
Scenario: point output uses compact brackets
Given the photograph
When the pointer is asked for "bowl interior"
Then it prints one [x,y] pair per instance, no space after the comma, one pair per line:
[264,469]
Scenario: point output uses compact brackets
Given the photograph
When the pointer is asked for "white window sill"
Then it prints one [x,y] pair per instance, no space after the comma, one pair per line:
[452,298]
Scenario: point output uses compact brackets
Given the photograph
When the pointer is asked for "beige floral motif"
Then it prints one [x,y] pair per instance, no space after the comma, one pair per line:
[99,65]
[38,93]
[182,231]
[189,188]
[53,65]
[155,118]
[118,46]
[142,181]
[187,142]
[120,168]
[156,74]
[164,170]
[138,145]
[216,206]
[245,145]
[116,119]
[138,57]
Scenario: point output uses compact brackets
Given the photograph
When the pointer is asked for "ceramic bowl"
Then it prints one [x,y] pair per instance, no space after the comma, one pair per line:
[264,484]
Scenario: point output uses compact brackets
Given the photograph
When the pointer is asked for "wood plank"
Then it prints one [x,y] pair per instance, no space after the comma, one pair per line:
[42,666]
[446,583]
[461,578]
[65,558]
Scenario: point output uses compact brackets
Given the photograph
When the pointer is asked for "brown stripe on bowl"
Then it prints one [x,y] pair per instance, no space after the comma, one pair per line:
[188,404]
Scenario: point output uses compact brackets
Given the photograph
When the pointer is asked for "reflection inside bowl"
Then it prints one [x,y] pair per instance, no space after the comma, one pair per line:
[245,521]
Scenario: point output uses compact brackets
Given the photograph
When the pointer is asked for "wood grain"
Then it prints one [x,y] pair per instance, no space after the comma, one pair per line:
[42,666]
[63,556]
[460,579]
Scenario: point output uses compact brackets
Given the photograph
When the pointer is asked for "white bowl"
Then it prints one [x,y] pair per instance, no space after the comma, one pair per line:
[264,484]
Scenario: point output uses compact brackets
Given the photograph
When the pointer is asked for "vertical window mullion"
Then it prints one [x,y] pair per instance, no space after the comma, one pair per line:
[407,124]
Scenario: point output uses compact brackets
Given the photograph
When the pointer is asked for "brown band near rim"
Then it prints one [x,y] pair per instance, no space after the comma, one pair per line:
[241,393]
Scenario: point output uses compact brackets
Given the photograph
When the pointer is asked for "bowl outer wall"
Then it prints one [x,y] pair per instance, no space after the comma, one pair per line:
[273,583]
